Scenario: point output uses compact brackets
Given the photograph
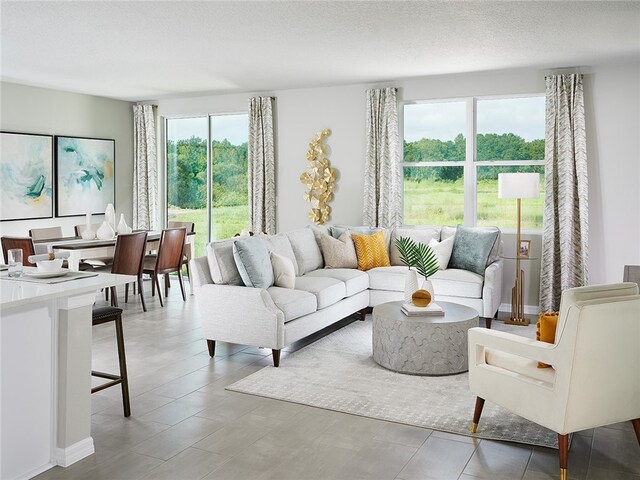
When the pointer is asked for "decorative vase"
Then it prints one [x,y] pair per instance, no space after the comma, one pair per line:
[110,216]
[105,232]
[410,285]
[428,286]
[88,233]
[122,225]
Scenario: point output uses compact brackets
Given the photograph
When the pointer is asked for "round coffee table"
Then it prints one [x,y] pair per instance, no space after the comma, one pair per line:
[429,345]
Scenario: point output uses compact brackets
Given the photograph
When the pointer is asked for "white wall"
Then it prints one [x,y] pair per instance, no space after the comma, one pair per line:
[613,114]
[52,112]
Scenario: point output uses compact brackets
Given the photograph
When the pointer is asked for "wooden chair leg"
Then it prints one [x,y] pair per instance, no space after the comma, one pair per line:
[188,273]
[211,345]
[153,285]
[167,284]
[123,367]
[636,428]
[181,281]
[106,294]
[157,280]
[563,451]
[114,296]
[276,357]
[126,293]
[141,290]
[476,414]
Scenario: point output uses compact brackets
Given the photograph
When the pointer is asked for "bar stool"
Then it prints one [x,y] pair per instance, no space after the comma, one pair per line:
[113,314]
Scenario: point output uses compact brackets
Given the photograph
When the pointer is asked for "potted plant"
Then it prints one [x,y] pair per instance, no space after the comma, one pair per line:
[425,261]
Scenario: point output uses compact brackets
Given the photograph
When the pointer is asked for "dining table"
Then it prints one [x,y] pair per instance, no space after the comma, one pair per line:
[80,249]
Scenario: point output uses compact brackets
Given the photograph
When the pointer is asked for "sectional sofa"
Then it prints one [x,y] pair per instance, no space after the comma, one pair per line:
[275,317]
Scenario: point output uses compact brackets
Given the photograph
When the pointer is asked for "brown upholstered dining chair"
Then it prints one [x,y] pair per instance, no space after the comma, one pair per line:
[128,259]
[168,260]
[186,257]
[24,243]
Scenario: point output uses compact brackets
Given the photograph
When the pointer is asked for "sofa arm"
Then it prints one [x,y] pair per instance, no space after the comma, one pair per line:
[242,315]
[492,289]
[199,272]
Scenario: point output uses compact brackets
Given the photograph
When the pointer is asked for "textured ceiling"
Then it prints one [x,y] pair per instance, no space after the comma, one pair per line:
[139,50]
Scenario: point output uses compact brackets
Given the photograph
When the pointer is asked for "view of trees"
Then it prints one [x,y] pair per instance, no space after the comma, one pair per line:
[490,146]
[187,167]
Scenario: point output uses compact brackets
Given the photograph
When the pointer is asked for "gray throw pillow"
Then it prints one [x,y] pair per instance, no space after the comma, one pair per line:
[471,248]
[253,261]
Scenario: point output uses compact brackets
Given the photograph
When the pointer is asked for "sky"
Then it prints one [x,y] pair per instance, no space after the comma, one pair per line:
[444,120]
[233,127]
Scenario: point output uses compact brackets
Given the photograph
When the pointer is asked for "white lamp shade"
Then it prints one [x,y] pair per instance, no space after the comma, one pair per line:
[518,185]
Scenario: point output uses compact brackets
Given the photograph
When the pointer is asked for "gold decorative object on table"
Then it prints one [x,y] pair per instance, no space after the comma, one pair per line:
[319,178]
[421,298]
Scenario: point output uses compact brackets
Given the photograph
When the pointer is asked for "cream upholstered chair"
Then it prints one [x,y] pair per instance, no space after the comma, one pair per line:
[595,379]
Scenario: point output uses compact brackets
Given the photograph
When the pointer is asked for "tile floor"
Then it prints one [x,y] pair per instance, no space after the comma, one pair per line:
[184,424]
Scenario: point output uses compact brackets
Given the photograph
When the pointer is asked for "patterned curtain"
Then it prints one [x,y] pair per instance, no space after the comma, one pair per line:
[261,166]
[566,227]
[145,168]
[382,169]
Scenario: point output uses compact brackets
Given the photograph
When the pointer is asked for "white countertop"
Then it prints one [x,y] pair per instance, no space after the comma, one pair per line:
[15,293]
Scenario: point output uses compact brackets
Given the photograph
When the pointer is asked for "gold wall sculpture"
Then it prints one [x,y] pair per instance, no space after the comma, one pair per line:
[319,178]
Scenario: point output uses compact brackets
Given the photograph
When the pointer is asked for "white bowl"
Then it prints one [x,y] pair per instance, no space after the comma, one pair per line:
[46,266]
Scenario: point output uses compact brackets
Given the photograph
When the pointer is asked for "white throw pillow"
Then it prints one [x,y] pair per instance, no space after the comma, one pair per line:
[442,250]
[284,274]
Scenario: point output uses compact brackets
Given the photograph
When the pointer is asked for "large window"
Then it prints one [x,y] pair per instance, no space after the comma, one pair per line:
[208,186]
[454,150]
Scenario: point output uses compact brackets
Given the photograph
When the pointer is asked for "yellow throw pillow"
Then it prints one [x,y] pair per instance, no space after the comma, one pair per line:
[546,330]
[371,250]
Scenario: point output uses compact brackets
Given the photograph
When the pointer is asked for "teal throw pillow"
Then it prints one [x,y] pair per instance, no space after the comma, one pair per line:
[471,248]
[253,261]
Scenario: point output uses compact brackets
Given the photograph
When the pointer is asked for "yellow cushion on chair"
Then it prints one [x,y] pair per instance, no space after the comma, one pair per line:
[546,330]
[371,250]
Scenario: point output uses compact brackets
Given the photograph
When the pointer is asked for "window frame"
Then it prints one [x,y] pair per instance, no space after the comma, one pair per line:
[470,164]
[208,116]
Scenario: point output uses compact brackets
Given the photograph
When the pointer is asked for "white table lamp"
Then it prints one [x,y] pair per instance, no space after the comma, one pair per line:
[518,186]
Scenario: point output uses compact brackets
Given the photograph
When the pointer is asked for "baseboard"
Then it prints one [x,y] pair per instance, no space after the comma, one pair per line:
[77,451]
[36,471]
[528,309]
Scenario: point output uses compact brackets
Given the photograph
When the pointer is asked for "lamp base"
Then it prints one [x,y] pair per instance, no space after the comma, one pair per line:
[518,321]
[517,302]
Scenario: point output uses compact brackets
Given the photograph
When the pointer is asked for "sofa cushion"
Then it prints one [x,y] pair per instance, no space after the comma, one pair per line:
[443,251]
[371,250]
[355,281]
[520,365]
[284,275]
[326,290]
[253,262]
[496,251]
[281,245]
[472,247]
[338,252]
[418,235]
[305,249]
[390,278]
[454,282]
[222,264]
[293,303]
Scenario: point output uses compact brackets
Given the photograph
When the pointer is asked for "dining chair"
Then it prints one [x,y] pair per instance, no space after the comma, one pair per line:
[186,257]
[168,260]
[45,233]
[24,243]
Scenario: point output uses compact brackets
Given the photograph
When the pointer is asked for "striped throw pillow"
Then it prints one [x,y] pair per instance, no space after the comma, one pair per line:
[371,250]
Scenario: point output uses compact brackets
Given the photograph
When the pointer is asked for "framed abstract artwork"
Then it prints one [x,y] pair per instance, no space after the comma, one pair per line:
[26,172]
[85,175]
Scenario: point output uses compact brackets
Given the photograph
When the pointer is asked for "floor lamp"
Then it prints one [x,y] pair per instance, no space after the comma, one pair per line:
[518,186]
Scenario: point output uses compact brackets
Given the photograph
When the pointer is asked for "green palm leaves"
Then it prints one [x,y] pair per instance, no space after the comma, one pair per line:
[417,255]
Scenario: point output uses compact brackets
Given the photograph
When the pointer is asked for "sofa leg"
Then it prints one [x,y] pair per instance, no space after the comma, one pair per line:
[363,314]
[563,451]
[476,414]
[211,345]
[487,322]
[276,357]
[636,428]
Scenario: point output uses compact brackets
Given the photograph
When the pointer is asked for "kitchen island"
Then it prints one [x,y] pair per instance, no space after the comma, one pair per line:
[45,372]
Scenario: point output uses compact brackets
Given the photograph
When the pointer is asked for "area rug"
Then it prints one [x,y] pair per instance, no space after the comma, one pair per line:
[337,372]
